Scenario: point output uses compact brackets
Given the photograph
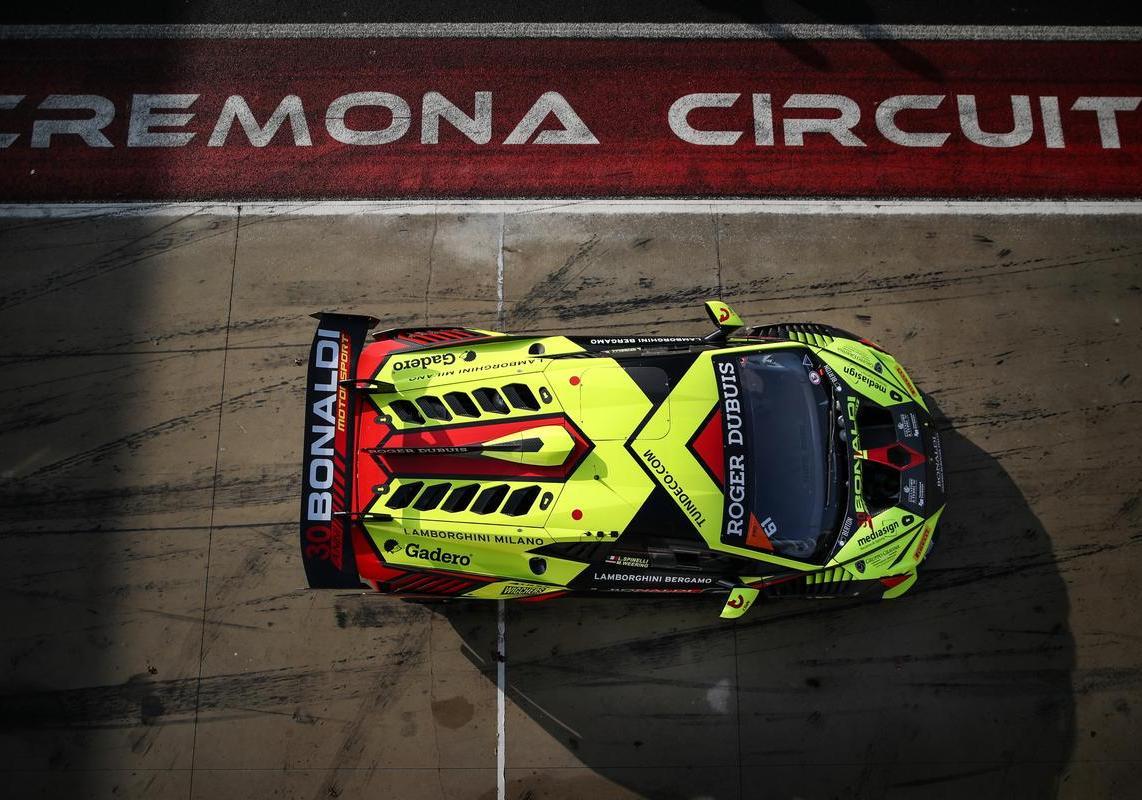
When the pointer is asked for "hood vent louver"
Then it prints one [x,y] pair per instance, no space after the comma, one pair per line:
[461,404]
[521,396]
[520,501]
[805,332]
[430,498]
[478,403]
[405,494]
[490,499]
[433,408]
[460,498]
[455,499]
[491,401]
[407,412]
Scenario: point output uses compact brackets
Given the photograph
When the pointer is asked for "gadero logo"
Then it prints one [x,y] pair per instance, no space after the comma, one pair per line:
[425,362]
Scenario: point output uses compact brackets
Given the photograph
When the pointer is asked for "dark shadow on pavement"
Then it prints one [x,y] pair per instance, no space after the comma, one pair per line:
[108,421]
[961,688]
[852,13]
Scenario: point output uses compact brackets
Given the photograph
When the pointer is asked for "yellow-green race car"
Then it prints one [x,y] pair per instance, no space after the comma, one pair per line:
[784,460]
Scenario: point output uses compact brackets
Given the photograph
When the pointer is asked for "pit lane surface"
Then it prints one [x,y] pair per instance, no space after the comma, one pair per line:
[156,641]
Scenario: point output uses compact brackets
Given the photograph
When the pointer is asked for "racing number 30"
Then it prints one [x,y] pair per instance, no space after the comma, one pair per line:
[317,541]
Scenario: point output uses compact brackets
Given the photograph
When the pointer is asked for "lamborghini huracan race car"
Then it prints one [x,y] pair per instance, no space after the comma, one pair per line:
[792,459]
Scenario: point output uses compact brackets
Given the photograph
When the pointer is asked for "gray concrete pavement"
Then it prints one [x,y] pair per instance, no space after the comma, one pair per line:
[155,641]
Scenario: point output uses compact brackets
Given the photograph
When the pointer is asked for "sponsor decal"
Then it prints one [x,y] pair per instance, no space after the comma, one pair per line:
[859,566]
[861,377]
[459,536]
[637,562]
[858,487]
[856,352]
[328,439]
[425,361]
[904,379]
[468,536]
[522,590]
[737,489]
[324,418]
[869,538]
[852,404]
[516,539]
[919,551]
[639,340]
[671,484]
[329,364]
[885,557]
[914,492]
[908,425]
[846,531]
[894,525]
[524,362]
[445,373]
[650,577]
[814,378]
[937,459]
[437,555]
[838,386]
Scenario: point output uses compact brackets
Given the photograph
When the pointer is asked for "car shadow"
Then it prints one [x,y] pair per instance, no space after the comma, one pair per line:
[961,687]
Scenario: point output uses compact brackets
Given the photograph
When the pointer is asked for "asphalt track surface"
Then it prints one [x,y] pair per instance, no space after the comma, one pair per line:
[156,642]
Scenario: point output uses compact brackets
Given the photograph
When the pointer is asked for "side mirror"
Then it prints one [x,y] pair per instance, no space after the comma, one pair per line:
[739,602]
[724,317]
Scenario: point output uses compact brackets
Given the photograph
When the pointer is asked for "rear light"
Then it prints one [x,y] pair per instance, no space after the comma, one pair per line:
[873,345]
[893,580]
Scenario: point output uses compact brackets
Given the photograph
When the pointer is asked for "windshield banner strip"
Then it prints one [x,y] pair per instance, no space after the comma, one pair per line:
[738,482]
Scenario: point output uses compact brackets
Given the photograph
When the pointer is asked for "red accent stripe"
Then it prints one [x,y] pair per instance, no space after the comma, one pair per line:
[543,597]
[880,456]
[367,473]
[622,90]
[477,465]
[369,567]
[432,583]
[709,448]
[893,580]
[775,581]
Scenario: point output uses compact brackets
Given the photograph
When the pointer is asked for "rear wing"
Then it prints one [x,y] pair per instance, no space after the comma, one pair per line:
[327,455]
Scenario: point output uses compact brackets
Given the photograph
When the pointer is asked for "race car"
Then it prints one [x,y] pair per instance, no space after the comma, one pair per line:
[782,460]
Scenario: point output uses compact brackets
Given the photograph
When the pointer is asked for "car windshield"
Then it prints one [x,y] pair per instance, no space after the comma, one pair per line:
[786,428]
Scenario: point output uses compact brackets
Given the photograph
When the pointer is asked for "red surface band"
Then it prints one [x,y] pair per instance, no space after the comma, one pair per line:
[376,118]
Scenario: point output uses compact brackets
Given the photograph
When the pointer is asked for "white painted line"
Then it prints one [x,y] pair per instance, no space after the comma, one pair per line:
[501,710]
[500,278]
[325,208]
[589,30]
[549,715]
